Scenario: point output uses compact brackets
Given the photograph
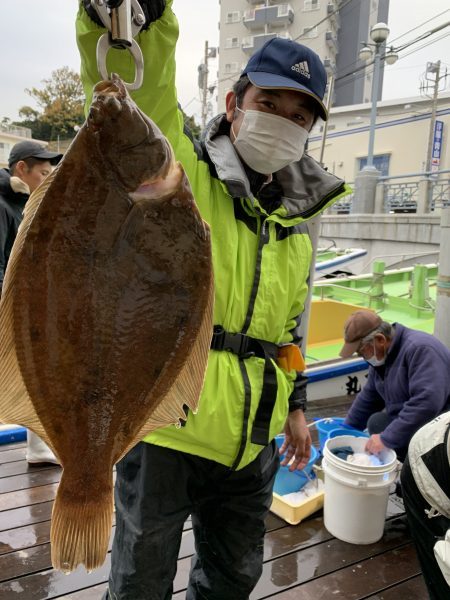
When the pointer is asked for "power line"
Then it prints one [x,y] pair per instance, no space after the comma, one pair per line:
[405,45]
[421,25]
[365,66]
[423,36]
[336,10]
[358,74]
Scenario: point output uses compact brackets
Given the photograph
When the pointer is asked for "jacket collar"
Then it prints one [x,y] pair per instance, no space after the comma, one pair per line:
[397,340]
[18,198]
[305,183]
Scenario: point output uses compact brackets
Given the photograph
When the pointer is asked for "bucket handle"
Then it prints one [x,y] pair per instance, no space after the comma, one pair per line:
[323,420]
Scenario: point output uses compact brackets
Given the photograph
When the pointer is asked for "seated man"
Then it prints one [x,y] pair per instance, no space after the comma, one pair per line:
[426,493]
[407,385]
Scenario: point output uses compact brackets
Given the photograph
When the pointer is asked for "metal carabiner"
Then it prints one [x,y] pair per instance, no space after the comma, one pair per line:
[104,45]
[123,23]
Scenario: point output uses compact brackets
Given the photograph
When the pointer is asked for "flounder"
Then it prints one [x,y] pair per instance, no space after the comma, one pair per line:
[106,312]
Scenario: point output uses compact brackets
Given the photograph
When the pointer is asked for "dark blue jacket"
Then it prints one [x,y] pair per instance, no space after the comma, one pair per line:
[413,386]
[11,215]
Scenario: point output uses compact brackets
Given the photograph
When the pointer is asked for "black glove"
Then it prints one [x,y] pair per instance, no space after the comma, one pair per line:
[153,9]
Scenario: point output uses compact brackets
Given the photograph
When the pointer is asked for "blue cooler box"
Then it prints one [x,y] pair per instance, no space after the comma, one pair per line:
[287,481]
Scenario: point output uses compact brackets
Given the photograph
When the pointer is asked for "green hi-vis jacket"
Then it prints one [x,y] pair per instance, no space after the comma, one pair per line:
[261,261]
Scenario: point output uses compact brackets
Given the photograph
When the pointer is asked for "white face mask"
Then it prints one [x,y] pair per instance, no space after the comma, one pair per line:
[267,143]
[374,361]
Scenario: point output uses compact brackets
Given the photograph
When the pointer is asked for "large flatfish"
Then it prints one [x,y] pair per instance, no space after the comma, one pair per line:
[106,312]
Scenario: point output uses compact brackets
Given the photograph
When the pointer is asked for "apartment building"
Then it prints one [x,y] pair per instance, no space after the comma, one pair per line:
[10,135]
[245,25]
[402,134]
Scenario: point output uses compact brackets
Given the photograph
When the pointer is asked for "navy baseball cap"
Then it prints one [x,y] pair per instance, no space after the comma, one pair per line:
[28,149]
[285,64]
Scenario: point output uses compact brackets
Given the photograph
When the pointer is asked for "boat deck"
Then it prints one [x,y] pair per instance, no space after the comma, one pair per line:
[302,561]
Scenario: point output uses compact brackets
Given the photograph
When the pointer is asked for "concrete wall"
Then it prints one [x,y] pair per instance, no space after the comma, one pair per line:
[384,235]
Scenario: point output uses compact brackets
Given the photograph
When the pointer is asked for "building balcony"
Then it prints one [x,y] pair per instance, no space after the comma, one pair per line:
[334,16]
[275,15]
[253,43]
[330,65]
[331,39]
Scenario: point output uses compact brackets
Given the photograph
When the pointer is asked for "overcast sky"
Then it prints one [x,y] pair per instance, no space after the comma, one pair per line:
[37,37]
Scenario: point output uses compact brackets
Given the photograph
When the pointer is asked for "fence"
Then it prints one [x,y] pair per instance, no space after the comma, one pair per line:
[411,193]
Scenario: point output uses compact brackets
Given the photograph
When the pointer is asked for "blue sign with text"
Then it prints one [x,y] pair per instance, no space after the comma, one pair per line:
[437,145]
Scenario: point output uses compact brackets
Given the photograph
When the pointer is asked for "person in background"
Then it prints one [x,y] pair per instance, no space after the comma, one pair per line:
[256,188]
[408,383]
[29,164]
[425,479]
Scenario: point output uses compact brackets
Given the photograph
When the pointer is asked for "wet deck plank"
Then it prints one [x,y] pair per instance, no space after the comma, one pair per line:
[299,561]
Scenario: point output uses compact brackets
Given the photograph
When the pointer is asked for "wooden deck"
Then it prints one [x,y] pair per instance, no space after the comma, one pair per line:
[301,562]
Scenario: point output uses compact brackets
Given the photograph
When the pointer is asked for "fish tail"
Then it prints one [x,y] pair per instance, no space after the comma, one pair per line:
[81,526]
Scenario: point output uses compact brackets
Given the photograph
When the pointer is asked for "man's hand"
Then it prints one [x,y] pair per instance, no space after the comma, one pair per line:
[297,442]
[152,10]
[375,445]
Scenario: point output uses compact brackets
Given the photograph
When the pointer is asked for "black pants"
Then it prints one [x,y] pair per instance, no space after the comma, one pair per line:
[425,532]
[156,490]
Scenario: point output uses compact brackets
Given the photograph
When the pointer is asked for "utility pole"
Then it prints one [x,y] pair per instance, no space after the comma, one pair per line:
[436,69]
[210,52]
[205,87]
[325,127]
[442,322]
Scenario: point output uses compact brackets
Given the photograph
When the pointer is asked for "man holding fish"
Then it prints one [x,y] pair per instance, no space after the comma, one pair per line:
[256,189]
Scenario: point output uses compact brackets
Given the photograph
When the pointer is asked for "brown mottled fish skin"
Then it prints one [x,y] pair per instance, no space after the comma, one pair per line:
[106,313]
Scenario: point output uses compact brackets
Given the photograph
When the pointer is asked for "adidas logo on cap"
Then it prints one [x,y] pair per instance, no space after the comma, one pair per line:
[302,68]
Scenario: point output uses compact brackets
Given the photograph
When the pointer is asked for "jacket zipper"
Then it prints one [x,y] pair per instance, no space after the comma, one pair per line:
[263,239]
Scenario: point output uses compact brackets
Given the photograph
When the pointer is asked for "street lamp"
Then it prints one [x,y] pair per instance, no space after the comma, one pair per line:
[378,33]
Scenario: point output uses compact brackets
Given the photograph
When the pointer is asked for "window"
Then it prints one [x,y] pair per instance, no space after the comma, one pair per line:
[310,32]
[232,42]
[4,151]
[233,17]
[380,162]
[311,5]
[283,10]
[231,68]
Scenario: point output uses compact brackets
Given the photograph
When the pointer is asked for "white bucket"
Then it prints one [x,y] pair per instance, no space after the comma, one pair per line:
[356,496]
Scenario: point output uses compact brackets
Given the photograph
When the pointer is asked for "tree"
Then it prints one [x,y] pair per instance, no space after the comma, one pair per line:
[61,104]
[192,125]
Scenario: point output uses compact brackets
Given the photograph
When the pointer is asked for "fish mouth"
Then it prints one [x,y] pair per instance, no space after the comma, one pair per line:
[108,97]
[160,186]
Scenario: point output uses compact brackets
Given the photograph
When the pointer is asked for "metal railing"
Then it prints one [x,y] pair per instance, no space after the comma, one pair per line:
[405,193]
[18,130]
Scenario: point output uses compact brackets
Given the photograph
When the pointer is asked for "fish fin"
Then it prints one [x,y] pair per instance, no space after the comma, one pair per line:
[81,524]
[34,200]
[187,387]
[15,404]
